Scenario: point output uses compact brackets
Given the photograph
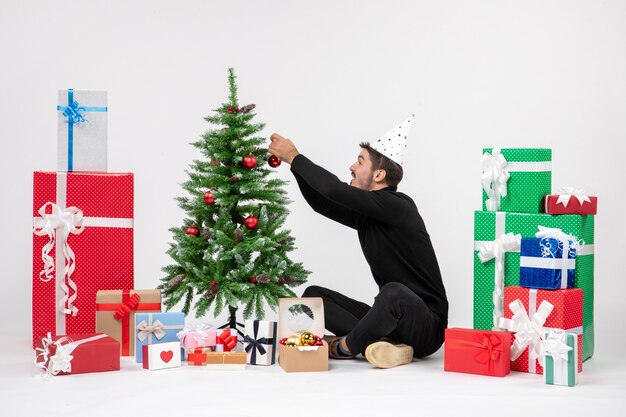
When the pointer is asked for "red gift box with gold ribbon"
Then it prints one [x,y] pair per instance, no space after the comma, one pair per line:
[82,243]
[115,314]
[479,352]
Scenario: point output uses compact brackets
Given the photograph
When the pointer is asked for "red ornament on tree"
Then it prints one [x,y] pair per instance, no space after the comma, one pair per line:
[230,110]
[208,198]
[280,281]
[237,109]
[249,161]
[253,280]
[192,230]
[274,161]
[251,222]
[234,179]
[213,283]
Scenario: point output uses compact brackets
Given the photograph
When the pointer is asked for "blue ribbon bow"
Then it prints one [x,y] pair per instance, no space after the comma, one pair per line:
[73,113]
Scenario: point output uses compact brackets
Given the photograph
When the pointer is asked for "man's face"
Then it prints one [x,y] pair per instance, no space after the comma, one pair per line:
[361,170]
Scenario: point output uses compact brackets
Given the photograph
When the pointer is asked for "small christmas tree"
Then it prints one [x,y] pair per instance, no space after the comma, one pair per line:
[231,250]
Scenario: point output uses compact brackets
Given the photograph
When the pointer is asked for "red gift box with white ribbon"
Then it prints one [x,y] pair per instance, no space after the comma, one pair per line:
[82,243]
[531,313]
[570,200]
[77,354]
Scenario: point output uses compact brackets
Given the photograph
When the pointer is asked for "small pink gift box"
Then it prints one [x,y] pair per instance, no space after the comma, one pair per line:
[200,335]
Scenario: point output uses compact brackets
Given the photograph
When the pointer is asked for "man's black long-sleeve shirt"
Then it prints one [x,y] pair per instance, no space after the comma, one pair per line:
[392,234]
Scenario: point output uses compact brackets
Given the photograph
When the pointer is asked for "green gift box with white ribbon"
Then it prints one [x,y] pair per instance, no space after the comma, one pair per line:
[495,233]
[516,179]
[560,350]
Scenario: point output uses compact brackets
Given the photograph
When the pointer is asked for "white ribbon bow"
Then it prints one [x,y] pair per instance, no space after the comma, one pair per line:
[197,331]
[61,361]
[69,220]
[529,332]
[496,249]
[494,178]
[565,193]
[555,345]
[145,330]
[566,242]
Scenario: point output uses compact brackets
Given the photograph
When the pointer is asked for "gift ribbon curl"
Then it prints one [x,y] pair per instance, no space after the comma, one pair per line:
[74,113]
[197,331]
[496,249]
[566,193]
[66,221]
[554,346]
[529,332]
[61,360]
[494,178]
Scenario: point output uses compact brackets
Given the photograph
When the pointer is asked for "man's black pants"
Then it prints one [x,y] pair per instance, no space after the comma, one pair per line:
[397,314]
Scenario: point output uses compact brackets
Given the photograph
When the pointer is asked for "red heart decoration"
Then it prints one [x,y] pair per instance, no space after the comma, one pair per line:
[167,356]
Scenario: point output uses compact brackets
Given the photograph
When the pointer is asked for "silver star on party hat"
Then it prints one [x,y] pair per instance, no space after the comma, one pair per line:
[393,143]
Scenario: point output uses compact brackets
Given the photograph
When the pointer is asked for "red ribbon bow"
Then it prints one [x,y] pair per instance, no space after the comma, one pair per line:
[125,308]
[490,349]
[229,341]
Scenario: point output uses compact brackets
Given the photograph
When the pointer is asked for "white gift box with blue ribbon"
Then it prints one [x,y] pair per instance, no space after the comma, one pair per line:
[82,130]
[548,261]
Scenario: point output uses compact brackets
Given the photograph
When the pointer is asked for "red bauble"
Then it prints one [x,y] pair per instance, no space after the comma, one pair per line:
[208,198]
[251,222]
[249,161]
[192,230]
[235,179]
[280,281]
[237,109]
[274,161]
[230,110]
[213,283]
[253,280]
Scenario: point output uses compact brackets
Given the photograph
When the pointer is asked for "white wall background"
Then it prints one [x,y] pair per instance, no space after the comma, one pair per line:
[327,74]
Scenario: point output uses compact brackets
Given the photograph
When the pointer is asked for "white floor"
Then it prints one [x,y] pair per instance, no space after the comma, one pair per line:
[349,388]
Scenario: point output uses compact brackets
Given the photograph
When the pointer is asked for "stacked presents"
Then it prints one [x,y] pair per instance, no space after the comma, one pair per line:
[85,312]
[533,273]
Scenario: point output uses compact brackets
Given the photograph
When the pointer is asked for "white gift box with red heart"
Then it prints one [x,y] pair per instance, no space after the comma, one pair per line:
[161,356]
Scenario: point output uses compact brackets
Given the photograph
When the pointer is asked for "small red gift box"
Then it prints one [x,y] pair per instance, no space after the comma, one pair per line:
[570,201]
[77,354]
[82,243]
[480,352]
[566,314]
[226,340]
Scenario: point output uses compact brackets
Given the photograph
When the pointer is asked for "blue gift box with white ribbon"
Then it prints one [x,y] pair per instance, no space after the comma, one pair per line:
[82,130]
[153,328]
[547,263]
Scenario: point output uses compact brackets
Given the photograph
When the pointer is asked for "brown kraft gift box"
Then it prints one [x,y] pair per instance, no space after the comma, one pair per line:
[115,314]
[301,358]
